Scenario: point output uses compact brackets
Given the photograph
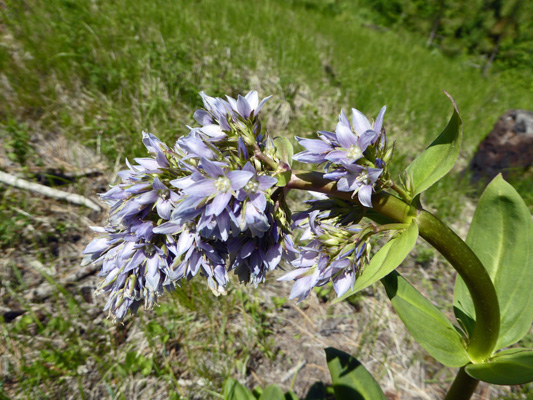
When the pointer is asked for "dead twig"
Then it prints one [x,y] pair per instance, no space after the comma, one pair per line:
[48,192]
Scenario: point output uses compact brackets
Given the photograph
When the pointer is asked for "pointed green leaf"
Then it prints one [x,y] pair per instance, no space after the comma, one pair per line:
[501,235]
[439,158]
[233,390]
[429,326]
[272,392]
[509,367]
[385,260]
[284,149]
[351,381]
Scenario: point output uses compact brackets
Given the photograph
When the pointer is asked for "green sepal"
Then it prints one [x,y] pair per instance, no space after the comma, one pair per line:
[283,178]
[284,149]
[272,392]
[388,258]
[233,390]
[428,325]
[509,367]
[350,379]
[439,158]
[501,235]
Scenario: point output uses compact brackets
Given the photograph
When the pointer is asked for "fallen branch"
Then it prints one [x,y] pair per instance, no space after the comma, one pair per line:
[48,192]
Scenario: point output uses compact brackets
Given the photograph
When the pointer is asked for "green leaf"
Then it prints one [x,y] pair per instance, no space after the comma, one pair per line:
[284,149]
[290,396]
[350,379]
[509,367]
[272,392]
[385,260]
[233,390]
[283,178]
[316,392]
[428,325]
[439,158]
[501,235]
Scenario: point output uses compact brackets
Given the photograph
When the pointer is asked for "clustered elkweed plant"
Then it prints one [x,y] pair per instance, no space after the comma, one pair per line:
[215,203]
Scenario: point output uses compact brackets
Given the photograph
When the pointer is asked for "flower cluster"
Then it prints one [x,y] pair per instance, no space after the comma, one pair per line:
[355,155]
[208,205]
[337,247]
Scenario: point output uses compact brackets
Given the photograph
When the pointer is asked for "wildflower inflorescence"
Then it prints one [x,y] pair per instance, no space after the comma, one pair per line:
[214,204]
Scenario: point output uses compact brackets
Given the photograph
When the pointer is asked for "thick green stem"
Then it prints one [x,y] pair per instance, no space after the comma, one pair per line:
[443,239]
[476,278]
[463,386]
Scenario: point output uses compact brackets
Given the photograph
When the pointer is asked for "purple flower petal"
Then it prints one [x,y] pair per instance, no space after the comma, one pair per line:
[212,169]
[148,163]
[163,208]
[365,195]
[329,136]
[239,179]
[335,175]
[260,106]
[343,282]
[345,136]
[336,156]
[201,189]
[379,120]
[243,108]
[203,117]
[347,183]
[374,173]
[158,185]
[258,200]
[147,198]
[343,119]
[168,228]
[247,249]
[266,182]
[135,189]
[96,246]
[253,99]
[310,158]
[223,225]
[353,167]
[184,242]
[366,138]
[360,122]
[218,204]
[273,257]
[214,131]
[295,274]
[315,145]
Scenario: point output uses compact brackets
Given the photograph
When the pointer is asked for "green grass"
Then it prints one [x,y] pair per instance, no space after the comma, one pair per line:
[101,72]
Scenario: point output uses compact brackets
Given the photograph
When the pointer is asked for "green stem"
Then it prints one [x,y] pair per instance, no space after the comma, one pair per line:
[443,239]
[463,386]
[476,278]
[403,194]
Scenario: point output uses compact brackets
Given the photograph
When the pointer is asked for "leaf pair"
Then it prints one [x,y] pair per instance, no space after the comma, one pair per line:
[501,235]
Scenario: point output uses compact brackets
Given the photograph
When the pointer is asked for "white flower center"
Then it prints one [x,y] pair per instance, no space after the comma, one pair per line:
[252,186]
[364,178]
[223,184]
[354,153]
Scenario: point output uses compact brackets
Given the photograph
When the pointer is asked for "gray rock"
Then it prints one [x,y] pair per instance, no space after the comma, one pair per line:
[507,149]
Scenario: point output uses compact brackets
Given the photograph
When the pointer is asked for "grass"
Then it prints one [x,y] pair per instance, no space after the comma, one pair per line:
[101,72]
